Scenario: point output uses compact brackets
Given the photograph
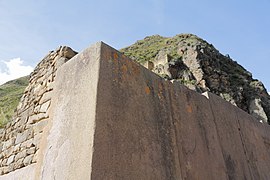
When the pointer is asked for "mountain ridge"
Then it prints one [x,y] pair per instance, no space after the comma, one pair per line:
[201,67]
[198,65]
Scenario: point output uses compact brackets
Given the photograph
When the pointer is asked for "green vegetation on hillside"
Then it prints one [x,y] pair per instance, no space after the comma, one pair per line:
[192,62]
[10,94]
[200,66]
[147,49]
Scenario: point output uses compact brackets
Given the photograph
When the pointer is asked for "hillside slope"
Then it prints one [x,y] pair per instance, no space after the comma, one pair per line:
[10,94]
[201,67]
[185,58]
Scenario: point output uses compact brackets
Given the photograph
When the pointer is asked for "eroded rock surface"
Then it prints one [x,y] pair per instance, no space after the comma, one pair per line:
[201,67]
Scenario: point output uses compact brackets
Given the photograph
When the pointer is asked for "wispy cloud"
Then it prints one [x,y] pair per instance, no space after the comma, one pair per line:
[14,69]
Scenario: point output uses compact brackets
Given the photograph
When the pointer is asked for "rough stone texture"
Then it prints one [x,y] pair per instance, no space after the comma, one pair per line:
[17,138]
[26,173]
[199,66]
[124,122]
[148,128]
[70,140]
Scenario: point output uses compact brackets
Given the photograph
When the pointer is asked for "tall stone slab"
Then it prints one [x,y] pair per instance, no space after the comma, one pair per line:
[227,125]
[69,146]
[114,119]
[198,146]
[148,128]
[243,140]
[111,118]
[256,141]
[133,130]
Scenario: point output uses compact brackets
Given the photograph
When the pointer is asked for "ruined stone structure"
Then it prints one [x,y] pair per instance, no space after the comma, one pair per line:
[201,67]
[107,117]
[20,139]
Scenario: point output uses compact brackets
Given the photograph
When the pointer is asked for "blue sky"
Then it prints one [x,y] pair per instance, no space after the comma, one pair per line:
[29,29]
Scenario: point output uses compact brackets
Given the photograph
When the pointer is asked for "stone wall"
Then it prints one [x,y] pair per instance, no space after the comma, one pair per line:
[111,118]
[20,138]
[124,122]
[201,67]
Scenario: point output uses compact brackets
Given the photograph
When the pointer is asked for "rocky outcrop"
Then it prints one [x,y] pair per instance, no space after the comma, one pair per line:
[124,122]
[103,116]
[20,138]
[201,67]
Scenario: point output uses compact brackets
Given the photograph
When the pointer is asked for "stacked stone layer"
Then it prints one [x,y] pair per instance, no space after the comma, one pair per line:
[21,137]
[124,122]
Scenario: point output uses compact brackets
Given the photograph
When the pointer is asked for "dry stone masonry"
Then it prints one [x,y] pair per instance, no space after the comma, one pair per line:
[123,121]
[21,137]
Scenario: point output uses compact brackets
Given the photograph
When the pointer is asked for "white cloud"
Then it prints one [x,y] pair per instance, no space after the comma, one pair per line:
[14,69]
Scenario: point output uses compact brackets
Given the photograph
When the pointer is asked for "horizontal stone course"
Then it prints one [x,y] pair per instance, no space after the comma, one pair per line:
[20,137]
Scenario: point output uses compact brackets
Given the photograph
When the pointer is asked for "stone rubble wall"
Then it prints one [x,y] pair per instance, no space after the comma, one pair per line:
[20,138]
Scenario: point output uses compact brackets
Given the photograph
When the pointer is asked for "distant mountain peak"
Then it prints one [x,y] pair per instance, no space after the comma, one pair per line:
[190,60]
[200,66]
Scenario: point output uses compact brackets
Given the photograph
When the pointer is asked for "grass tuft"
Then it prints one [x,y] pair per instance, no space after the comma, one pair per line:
[10,95]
